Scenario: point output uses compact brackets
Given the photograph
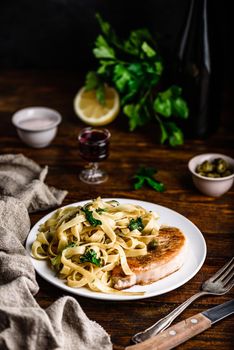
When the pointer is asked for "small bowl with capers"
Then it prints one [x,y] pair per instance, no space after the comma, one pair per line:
[212,173]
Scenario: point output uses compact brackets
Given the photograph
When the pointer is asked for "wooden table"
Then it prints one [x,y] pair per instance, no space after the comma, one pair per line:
[213,216]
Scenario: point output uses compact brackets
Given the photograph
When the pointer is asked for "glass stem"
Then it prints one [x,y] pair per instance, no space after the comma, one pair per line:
[93,168]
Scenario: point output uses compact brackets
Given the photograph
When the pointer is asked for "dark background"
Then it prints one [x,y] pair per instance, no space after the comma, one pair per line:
[60,33]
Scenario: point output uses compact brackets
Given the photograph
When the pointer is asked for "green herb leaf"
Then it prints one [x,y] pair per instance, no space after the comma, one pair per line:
[89,217]
[146,175]
[149,51]
[92,81]
[157,186]
[121,77]
[105,66]
[163,106]
[133,112]
[136,224]
[108,31]
[90,256]
[180,108]
[164,134]
[136,38]
[100,94]
[176,136]
[102,49]
[139,182]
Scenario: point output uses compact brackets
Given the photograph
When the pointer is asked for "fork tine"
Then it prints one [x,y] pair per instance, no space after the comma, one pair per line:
[221,271]
[229,285]
[229,278]
[226,274]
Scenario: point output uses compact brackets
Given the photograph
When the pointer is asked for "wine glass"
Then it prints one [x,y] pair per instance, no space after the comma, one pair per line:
[93,147]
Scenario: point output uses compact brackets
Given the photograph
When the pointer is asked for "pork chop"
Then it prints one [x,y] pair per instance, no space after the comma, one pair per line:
[168,256]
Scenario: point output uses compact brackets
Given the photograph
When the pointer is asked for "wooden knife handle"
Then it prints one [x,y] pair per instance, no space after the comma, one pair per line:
[174,335]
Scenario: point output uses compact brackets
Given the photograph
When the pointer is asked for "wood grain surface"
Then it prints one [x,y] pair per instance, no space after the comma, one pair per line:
[213,216]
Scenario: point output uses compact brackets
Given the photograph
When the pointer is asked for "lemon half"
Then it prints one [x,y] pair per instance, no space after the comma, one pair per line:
[91,111]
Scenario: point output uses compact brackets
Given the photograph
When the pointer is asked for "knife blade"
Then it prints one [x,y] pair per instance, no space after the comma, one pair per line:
[184,330]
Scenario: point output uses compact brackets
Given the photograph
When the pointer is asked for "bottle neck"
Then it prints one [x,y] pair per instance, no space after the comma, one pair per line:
[194,44]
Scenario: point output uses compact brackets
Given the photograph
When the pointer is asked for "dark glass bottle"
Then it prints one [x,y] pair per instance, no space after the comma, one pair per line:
[195,73]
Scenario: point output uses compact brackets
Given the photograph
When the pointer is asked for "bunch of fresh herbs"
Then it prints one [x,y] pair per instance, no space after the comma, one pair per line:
[134,67]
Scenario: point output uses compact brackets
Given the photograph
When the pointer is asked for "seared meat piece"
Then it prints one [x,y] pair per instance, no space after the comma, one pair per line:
[168,257]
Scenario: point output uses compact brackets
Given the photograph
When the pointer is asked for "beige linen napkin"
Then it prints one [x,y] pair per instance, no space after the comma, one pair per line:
[22,178]
[23,324]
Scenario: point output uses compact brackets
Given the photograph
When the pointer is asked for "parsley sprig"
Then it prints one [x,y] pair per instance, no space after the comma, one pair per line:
[146,175]
[135,68]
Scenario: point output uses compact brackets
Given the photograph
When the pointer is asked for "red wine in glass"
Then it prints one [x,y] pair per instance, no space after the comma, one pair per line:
[93,147]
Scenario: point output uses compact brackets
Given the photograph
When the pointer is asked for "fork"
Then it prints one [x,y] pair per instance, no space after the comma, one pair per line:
[220,283]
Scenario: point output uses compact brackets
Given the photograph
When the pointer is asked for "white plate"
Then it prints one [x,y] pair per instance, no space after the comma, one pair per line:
[196,256]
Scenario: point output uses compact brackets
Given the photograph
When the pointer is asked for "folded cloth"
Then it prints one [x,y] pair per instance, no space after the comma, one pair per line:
[22,178]
[23,323]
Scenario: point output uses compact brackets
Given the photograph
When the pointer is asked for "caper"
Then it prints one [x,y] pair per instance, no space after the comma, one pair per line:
[199,168]
[214,169]
[201,173]
[227,173]
[213,175]
[221,165]
[207,166]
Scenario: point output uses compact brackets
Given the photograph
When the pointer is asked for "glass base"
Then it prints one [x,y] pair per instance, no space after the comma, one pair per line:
[93,176]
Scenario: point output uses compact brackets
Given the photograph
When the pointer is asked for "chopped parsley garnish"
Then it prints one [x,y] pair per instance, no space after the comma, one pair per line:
[136,224]
[89,217]
[90,256]
[146,175]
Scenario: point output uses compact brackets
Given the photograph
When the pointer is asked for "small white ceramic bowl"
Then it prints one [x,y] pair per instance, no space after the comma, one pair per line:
[213,187]
[36,126]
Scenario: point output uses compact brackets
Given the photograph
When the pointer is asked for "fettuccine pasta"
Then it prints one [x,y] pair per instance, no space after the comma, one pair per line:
[84,244]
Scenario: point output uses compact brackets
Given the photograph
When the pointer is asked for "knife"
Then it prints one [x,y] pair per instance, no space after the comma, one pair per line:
[184,330]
